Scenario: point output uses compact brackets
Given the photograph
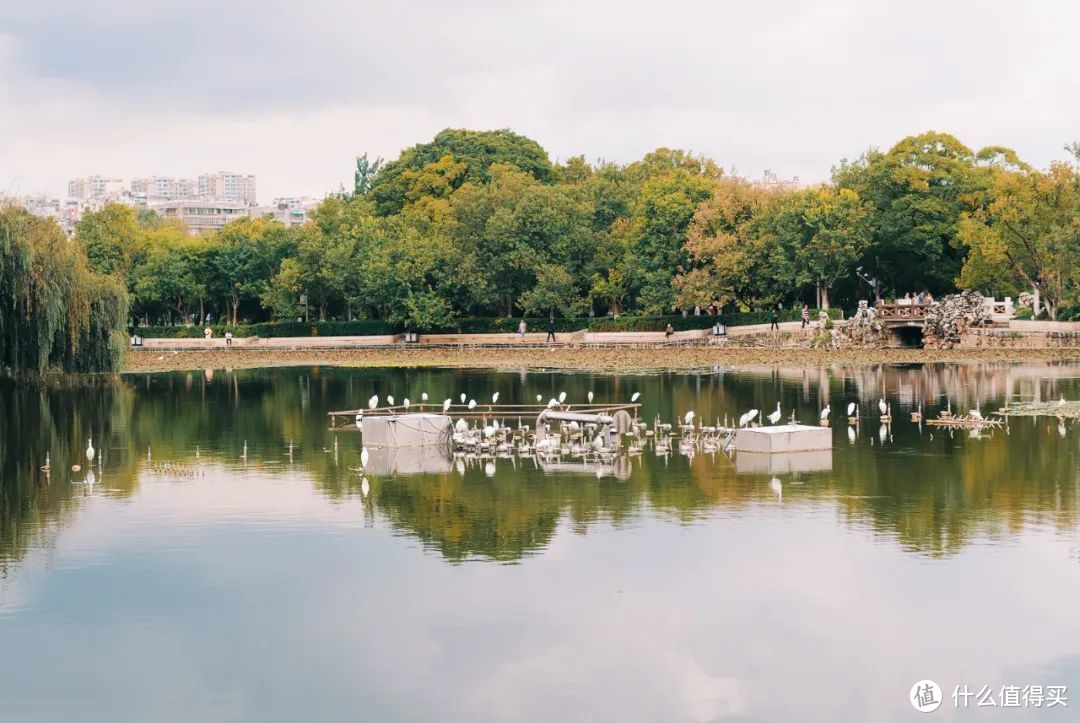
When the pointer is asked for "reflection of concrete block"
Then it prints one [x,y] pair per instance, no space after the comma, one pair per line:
[406,430]
[783,438]
[391,461]
[780,463]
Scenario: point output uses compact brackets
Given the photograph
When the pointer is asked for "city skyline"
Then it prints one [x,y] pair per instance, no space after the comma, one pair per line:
[786,86]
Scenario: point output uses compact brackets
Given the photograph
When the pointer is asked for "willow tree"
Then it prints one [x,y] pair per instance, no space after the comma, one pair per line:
[55,313]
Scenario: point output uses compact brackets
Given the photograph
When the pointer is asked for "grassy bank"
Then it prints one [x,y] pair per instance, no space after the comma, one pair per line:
[568,358]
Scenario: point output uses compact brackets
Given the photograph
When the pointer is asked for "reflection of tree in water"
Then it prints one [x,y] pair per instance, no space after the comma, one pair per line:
[55,416]
[932,496]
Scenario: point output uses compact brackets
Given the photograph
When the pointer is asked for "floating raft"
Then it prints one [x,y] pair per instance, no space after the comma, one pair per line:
[480,411]
[965,422]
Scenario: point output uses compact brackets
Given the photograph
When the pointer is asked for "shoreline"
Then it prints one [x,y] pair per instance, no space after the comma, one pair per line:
[570,358]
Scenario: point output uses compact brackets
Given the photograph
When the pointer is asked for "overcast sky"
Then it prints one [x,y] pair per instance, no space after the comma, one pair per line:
[292,91]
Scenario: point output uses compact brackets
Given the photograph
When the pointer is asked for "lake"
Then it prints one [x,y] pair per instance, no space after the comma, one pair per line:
[202,571]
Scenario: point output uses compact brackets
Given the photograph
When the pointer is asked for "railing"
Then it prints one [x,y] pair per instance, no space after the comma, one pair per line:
[902,311]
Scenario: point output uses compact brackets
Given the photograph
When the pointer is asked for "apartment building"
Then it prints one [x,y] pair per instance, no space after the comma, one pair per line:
[227,187]
[201,216]
[161,188]
[95,187]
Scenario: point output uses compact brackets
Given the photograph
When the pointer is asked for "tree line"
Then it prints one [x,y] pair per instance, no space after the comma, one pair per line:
[484,224]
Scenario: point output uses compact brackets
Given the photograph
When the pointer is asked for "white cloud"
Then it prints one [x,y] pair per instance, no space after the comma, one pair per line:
[126,88]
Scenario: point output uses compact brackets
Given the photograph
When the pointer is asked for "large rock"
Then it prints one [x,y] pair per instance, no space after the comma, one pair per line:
[864,329]
[949,318]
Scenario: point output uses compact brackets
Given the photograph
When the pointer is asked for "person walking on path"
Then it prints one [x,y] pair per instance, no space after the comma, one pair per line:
[774,320]
[669,331]
[551,329]
[521,329]
[805,316]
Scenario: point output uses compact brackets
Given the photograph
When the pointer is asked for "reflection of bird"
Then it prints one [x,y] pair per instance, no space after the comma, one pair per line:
[365,487]
[90,450]
[489,469]
[1061,426]
[777,487]
[851,434]
[883,433]
[1061,402]
[775,416]
[48,465]
[881,406]
[635,396]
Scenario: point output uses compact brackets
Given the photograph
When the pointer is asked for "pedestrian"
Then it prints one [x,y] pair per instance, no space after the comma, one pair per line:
[669,331]
[697,310]
[805,316]
[774,320]
[521,329]
[551,329]
[228,338]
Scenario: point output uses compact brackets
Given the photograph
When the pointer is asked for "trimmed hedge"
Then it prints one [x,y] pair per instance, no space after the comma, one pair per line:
[377,327]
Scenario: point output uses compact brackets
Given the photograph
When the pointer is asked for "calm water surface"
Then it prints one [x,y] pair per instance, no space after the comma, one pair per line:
[190,582]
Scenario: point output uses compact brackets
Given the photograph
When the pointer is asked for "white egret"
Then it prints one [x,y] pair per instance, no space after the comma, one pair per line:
[489,432]
[495,398]
[90,450]
[540,398]
[689,418]
[494,423]
[590,396]
[472,404]
[373,402]
[775,416]
[461,426]
[364,457]
[423,396]
[562,397]
[446,405]
[598,442]
[634,397]
[881,405]
[553,403]
[825,413]
[853,413]
[743,419]
[463,397]
[389,400]
[406,402]
[976,414]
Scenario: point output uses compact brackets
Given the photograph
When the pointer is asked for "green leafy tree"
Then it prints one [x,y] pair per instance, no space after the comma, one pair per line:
[1029,236]
[477,150]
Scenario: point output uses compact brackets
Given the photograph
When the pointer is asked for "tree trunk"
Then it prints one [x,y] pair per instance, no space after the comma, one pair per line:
[235,307]
[1036,305]
[202,311]
[824,302]
[322,309]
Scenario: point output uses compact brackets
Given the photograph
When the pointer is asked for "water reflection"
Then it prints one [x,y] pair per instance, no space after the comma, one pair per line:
[930,489]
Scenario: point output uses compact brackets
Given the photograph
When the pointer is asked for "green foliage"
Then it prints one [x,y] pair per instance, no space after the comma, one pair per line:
[454,158]
[475,225]
[55,312]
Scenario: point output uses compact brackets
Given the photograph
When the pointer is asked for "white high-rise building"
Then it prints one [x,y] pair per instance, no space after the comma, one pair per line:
[95,187]
[160,188]
[227,187]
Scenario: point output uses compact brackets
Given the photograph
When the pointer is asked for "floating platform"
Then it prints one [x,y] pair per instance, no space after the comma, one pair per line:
[783,438]
[406,430]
